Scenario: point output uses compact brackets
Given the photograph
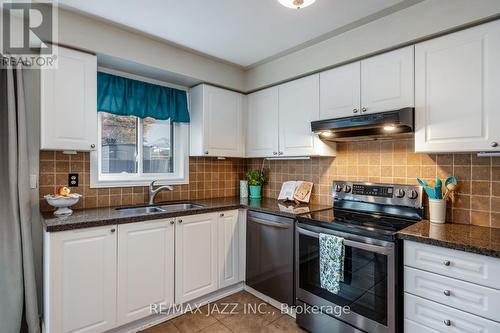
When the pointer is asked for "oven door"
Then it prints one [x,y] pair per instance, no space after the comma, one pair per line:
[368,287]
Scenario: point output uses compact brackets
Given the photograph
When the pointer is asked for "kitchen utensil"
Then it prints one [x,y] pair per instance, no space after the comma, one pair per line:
[450,184]
[449,189]
[429,190]
[438,194]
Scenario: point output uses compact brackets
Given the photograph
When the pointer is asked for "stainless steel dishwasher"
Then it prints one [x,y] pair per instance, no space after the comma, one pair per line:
[270,250]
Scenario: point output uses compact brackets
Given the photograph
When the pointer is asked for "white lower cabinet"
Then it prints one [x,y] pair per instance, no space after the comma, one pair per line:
[229,258]
[97,279]
[195,256]
[437,317]
[206,254]
[145,268]
[449,290]
[80,280]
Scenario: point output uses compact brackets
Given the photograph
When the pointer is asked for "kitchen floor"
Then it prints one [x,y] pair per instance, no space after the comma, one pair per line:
[240,313]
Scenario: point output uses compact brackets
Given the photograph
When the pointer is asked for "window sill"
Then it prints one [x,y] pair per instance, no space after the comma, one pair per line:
[136,183]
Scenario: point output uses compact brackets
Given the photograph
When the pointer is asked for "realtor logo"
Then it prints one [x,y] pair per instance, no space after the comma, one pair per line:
[28,33]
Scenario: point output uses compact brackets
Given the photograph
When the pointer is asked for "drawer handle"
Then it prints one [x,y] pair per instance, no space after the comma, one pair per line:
[447,322]
[446,263]
[447,293]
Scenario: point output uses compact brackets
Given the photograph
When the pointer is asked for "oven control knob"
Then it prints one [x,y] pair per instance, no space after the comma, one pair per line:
[399,193]
[347,189]
[338,188]
[413,194]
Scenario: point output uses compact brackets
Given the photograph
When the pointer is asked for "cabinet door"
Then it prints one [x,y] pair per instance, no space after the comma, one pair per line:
[68,102]
[298,106]
[340,91]
[223,123]
[228,248]
[387,81]
[80,280]
[262,130]
[196,269]
[145,268]
[457,91]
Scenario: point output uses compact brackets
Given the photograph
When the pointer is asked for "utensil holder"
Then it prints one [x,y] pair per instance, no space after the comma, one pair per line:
[437,210]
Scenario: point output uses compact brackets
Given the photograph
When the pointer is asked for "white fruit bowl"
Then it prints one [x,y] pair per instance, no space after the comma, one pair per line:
[62,203]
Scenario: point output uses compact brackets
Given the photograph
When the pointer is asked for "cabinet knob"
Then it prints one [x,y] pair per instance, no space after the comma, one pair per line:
[180,221]
[363,109]
[92,146]
[447,322]
[447,292]
[206,152]
[355,111]
[494,144]
[280,153]
[446,263]
[221,214]
[113,230]
[172,222]
[275,153]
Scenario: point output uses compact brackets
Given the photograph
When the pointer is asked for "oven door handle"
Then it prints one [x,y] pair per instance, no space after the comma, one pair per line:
[269,223]
[348,242]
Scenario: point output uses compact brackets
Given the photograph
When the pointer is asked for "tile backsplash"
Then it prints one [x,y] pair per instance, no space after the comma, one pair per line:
[208,178]
[477,200]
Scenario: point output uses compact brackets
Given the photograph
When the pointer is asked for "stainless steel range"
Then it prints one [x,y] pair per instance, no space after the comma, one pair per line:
[366,216]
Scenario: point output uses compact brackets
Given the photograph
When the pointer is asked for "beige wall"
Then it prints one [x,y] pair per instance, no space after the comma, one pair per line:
[89,34]
[413,23]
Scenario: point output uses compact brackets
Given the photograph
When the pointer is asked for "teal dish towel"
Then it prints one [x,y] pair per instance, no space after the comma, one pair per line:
[331,262]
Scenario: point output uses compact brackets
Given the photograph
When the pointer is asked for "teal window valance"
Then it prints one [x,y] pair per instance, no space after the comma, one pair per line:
[127,97]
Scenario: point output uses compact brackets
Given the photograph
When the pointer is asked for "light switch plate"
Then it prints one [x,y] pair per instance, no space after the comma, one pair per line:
[33,181]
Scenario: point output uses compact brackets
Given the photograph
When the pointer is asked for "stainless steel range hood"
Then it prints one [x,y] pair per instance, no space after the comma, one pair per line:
[383,125]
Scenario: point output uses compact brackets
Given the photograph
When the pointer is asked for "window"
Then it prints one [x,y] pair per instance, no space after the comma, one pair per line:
[135,151]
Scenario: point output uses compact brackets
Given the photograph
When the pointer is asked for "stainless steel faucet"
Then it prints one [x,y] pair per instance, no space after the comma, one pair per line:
[154,191]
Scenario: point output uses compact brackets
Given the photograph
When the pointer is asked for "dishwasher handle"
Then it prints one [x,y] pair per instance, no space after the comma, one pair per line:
[270,223]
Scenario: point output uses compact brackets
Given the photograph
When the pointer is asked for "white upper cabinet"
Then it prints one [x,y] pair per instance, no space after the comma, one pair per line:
[229,248]
[340,91]
[80,280]
[69,102]
[196,253]
[457,91]
[145,268]
[380,83]
[262,125]
[387,81]
[216,122]
[298,106]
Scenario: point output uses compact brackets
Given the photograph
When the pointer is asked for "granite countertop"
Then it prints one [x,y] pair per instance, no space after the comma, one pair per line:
[86,218]
[464,237]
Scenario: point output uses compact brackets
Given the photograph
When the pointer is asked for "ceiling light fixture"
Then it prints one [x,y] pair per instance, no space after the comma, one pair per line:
[296,4]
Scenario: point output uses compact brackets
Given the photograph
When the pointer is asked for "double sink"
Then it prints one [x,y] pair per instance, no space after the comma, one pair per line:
[167,208]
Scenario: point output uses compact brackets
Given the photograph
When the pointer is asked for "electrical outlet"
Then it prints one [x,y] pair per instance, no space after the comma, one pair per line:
[73,180]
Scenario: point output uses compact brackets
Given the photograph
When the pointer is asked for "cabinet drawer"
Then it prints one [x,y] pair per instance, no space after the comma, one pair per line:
[471,267]
[442,318]
[413,327]
[472,298]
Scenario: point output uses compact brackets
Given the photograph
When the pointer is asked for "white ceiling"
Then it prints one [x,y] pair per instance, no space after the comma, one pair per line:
[243,32]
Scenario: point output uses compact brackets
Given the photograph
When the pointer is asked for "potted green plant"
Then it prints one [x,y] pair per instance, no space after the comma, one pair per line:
[256,179]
